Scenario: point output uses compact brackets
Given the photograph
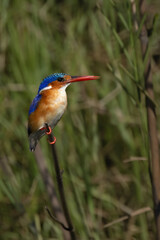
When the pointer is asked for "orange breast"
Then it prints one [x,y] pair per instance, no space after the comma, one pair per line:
[52,105]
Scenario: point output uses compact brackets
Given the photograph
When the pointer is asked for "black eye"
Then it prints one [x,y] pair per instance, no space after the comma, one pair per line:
[60,79]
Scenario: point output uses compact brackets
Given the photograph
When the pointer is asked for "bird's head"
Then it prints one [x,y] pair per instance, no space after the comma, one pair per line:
[59,80]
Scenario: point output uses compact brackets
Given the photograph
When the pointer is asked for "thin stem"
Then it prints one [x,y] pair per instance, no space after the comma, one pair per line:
[60,185]
[55,219]
[50,188]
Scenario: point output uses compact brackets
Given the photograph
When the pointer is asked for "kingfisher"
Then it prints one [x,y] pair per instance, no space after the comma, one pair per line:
[49,104]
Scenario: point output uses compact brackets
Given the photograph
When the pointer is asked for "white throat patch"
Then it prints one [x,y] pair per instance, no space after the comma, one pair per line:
[64,87]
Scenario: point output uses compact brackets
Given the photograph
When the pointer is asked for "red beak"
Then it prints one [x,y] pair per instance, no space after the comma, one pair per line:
[83,78]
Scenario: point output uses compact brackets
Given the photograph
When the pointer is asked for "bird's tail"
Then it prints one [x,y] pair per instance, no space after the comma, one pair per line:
[34,138]
[32,143]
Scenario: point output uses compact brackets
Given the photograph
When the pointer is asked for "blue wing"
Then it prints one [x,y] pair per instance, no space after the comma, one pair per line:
[34,104]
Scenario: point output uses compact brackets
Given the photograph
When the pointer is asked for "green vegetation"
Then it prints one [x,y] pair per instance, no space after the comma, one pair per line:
[102,140]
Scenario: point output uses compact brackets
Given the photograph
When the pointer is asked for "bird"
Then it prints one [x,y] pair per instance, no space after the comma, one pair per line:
[49,104]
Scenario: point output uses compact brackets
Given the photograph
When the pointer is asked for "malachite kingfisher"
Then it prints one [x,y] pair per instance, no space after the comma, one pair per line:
[49,104]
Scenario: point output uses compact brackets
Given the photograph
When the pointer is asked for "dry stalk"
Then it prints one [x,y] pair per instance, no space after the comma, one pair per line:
[154,163]
[126,217]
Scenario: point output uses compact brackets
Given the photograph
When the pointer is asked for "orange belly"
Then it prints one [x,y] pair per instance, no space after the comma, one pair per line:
[50,109]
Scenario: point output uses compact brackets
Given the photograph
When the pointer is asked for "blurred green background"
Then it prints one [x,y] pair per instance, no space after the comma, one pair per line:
[102,139]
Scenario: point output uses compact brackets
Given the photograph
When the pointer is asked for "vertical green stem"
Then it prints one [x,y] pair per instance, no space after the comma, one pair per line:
[60,186]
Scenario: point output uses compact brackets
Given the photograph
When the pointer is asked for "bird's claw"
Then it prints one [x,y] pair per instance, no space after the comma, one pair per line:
[53,142]
[49,130]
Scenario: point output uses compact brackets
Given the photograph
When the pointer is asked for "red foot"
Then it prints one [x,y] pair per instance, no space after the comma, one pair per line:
[49,132]
[53,141]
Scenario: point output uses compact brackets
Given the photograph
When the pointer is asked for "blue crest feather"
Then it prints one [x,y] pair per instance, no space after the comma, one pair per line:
[50,79]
